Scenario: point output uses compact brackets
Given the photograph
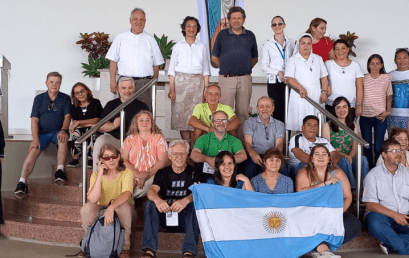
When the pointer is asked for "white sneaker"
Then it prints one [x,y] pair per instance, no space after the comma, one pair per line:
[314,254]
[383,248]
[329,254]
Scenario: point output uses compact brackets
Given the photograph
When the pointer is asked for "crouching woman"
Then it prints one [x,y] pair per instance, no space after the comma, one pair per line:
[111,186]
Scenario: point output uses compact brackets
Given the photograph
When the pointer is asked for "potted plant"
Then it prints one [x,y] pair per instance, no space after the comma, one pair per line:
[165,47]
[97,45]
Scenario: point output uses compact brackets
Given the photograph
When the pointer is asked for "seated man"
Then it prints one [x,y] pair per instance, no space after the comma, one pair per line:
[50,119]
[170,203]
[200,119]
[209,145]
[386,194]
[301,144]
[111,129]
[260,134]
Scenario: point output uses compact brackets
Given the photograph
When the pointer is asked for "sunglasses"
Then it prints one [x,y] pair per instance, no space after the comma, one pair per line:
[110,157]
[52,106]
[277,24]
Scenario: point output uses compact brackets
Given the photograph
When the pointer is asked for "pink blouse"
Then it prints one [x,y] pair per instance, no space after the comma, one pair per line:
[144,156]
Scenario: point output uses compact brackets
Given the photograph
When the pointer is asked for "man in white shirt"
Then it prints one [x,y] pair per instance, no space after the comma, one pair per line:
[300,148]
[136,54]
[386,194]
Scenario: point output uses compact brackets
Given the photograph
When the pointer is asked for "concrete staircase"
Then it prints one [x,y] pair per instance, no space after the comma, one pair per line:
[51,213]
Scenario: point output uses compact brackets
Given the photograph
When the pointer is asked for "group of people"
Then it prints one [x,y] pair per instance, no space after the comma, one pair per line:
[229,148]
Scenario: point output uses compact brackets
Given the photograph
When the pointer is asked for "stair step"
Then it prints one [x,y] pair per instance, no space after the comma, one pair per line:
[47,188]
[64,232]
[363,241]
[73,175]
[41,207]
[47,230]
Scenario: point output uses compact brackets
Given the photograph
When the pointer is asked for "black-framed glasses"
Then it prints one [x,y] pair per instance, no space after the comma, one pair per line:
[224,121]
[267,136]
[277,24]
[52,106]
[108,158]
[395,150]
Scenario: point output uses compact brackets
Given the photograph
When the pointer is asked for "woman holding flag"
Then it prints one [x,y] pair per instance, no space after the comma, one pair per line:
[321,172]
[225,173]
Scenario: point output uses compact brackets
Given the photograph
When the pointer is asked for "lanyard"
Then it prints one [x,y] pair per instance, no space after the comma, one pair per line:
[282,53]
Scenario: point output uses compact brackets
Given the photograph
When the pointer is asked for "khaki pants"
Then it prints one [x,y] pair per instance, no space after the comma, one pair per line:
[90,211]
[237,91]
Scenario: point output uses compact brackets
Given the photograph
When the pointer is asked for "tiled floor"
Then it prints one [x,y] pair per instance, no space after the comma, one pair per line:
[19,249]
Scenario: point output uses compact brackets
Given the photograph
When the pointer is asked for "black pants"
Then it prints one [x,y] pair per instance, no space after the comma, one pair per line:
[276,91]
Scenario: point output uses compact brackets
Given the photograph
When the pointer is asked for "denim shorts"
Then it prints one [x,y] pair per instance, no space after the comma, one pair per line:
[45,139]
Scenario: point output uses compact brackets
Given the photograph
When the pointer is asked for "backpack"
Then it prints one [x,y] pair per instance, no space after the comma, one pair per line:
[103,242]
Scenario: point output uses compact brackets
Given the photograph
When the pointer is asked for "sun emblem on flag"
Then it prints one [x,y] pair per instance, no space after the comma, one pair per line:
[274,222]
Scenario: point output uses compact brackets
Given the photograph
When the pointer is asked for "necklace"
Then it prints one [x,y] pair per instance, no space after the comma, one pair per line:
[84,110]
[312,64]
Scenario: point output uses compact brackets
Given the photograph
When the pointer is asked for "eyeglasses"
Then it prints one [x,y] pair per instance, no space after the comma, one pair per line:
[110,157]
[394,150]
[277,24]
[224,121]
[178,154]
[52,106]
[77,93]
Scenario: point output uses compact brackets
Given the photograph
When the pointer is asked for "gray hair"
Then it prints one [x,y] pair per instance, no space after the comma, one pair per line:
[178,141]
[218,111]
[122,79]
[138,10]
[265,97]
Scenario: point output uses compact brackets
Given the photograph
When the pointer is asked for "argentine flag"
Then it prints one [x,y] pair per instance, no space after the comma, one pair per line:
[236,223]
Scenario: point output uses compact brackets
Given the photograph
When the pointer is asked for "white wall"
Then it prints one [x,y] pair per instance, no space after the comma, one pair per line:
[39,36]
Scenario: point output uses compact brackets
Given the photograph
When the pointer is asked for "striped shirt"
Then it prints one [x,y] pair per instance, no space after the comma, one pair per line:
[375,92]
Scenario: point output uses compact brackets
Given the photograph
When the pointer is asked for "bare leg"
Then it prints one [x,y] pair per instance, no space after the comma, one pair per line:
[62,152]
[233,132]
[30,162]
[196,134]
[187,135]
[322,248]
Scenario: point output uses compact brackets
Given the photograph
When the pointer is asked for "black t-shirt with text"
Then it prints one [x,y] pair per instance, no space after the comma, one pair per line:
[174,186]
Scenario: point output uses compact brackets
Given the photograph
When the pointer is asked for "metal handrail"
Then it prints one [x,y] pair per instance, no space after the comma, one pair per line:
[333,118]
[346,129]
[114,112]
[83,138]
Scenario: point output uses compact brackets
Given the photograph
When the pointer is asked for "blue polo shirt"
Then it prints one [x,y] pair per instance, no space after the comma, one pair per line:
[235,51]
[255,127]
[50,121]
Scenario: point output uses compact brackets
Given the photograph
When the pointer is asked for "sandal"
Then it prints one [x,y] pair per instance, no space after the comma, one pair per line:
[148,255]
[188,255]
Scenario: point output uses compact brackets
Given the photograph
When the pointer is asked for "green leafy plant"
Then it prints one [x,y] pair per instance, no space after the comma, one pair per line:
[97,45]
[91,69]
[165,47]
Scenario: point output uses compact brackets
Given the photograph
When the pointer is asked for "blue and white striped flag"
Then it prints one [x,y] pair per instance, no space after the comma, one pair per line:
[237,223]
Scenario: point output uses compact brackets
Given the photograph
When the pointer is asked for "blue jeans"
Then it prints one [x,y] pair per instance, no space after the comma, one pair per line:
[187,223]
[252,169]
[352,227]
[364,168]
[367,123]
[390,233]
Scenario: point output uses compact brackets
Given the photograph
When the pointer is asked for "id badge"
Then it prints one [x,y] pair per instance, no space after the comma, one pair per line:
[207,169]
[172,219]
